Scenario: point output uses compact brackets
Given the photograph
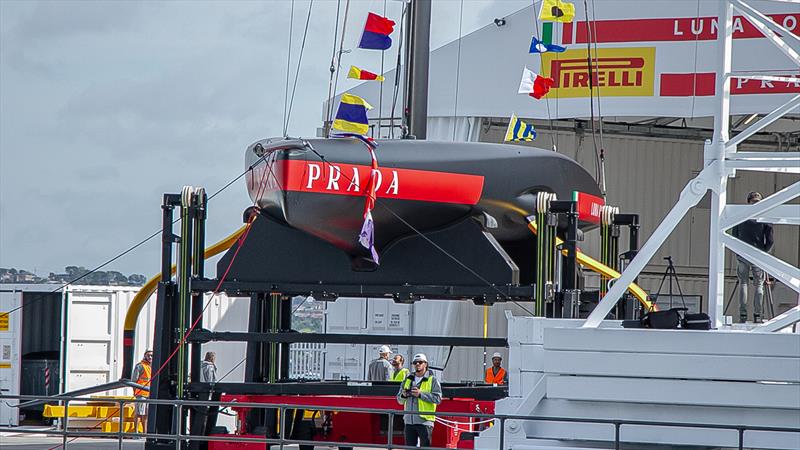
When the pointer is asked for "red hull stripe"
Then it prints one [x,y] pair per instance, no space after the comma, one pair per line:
[395,183]
[704,84]
[673,29]
[589,207]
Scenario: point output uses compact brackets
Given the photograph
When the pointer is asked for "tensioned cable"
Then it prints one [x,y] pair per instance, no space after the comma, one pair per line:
[591,90]
[232,369]
[185,335]
[338,62]
[694,72]
[602,177]
[541,66]
[297,71]
[458,68]
[333,64]
[288,67]
[380,88]
[397,69]
[130,249]
[426,238]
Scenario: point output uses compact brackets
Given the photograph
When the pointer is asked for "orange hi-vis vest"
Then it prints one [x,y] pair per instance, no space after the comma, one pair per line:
[144,380]
[491,378]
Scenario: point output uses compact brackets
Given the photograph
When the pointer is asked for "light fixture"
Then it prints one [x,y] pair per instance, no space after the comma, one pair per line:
[500,22]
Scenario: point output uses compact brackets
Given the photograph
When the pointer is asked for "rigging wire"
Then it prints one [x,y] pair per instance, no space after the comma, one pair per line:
[332,69]
[458,67]
[602,180]
[380,87]
[397,69]
[125,252]
[196,321]
[694,72]
[591,90]
[338,62]
[297,71]
[423,236]
[288,67]
[541,67]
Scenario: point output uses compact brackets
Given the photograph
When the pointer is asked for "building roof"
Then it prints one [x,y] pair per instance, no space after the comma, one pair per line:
[478,75]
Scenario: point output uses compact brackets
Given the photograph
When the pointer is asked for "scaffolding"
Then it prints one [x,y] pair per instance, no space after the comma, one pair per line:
[721,161]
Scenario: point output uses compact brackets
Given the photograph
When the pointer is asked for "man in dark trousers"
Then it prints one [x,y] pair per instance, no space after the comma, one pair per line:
[759,235]
[419,392]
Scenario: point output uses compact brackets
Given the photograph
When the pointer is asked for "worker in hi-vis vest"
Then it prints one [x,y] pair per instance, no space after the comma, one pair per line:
[496,374]
[141,376]
[419,392]
[399,372]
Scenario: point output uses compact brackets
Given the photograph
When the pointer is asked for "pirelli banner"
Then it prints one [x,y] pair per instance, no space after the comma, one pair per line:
[660,59]
[653,58]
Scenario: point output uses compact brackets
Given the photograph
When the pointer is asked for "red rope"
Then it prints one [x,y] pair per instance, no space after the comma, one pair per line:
[240,242]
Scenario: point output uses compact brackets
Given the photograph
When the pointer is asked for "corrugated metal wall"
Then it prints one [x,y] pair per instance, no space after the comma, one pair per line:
[645,175]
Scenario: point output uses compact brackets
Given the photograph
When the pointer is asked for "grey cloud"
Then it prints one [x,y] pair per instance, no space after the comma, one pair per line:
[104,106]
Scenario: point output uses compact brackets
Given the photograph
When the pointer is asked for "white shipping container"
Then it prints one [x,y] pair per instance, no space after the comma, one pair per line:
[89,348]
[9,354]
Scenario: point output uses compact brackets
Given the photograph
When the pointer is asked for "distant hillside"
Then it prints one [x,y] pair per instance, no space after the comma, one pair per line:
[71,273]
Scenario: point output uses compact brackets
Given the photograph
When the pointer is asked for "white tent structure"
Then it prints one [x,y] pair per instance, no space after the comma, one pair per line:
[679,152]
[653,137]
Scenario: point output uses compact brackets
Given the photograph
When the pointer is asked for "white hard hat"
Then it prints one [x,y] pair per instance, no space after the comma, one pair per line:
[384,349]
[420,357]
[497,355]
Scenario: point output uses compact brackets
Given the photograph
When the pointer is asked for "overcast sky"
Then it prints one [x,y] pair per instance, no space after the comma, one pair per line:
[105,106]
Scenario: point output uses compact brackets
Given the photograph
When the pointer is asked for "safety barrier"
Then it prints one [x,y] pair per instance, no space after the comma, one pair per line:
[281,440]
[306,360]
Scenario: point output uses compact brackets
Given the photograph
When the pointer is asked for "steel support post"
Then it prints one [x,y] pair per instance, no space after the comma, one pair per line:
[417,57]
[164,341]
[689,197]
[715,151]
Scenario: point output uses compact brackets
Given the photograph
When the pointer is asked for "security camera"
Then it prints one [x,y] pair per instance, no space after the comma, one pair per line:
[500,22]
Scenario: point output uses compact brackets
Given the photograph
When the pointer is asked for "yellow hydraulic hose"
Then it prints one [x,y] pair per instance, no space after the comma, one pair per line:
[141,297]
[596,266]
[584,259]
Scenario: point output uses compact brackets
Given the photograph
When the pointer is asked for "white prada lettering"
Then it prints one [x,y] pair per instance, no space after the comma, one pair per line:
[314,172]
[354,182]
[333,178]
[394,185]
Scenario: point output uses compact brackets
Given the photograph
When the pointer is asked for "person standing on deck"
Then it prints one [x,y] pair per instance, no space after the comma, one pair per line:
[420,392]
[759,235]
[380,369]
[400,373]
[142,374]
[496,374]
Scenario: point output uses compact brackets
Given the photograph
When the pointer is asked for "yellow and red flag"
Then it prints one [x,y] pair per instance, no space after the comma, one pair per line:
[361,74]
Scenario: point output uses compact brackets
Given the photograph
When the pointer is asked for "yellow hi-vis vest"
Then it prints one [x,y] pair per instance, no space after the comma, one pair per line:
[424,386]
[400,375]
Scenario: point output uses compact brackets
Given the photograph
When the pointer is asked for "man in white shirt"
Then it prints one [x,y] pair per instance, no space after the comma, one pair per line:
[381,369]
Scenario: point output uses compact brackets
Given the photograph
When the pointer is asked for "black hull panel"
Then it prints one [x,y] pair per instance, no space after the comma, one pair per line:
[318,185]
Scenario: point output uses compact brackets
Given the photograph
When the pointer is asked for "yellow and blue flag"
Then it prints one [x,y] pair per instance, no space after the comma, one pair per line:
[519,131]
[352,115]
[557,11]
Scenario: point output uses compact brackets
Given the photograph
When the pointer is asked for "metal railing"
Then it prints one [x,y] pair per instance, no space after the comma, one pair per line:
[282,440]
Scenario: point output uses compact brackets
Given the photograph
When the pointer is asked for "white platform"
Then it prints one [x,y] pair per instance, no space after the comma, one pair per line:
[727,377]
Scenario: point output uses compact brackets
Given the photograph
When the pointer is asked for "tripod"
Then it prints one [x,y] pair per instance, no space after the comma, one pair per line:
[672,275]
[767,305]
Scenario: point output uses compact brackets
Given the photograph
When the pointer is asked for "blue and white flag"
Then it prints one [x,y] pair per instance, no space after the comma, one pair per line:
[538,46]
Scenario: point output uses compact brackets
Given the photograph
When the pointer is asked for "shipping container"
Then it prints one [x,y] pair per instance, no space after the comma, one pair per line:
[55,340]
